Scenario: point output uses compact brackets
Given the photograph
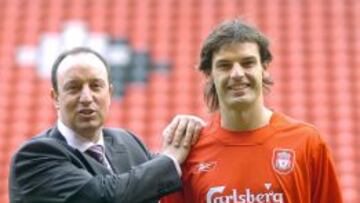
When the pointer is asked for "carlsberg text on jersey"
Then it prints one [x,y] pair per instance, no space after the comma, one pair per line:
[216,195]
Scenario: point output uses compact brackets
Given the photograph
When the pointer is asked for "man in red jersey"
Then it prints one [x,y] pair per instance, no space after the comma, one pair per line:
[248,152]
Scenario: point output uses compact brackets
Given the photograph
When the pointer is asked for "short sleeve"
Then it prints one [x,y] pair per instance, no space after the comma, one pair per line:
[325,183]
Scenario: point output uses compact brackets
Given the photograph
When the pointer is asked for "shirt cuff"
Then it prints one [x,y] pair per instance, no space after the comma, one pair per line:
[176,163]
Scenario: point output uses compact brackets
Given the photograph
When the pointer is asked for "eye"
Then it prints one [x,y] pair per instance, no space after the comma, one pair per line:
[97,86]
[224,65]
[72,87]
[249,64]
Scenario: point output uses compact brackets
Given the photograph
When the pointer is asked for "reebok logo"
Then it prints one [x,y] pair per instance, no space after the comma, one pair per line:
[206,166]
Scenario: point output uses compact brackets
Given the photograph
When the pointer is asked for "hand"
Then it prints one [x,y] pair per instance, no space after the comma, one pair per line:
[179,152]
[183,127]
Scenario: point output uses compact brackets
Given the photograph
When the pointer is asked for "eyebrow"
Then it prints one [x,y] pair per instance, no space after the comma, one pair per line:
[225,60]
[248,58]
[222,61]
[69,82]
[76,81]
[98,80]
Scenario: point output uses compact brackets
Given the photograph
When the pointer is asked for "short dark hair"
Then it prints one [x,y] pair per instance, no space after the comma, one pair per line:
[74,51]
[226,33]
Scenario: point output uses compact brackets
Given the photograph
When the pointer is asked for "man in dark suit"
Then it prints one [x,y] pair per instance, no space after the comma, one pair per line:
[79,160]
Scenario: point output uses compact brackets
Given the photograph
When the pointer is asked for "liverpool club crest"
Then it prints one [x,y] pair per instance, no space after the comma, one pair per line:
[283,160]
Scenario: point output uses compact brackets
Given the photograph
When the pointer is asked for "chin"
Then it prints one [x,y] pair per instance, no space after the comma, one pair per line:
[241,100]
[239,103]
[89,126]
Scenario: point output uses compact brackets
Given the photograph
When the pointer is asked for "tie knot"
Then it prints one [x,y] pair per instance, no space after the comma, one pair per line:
[97,152]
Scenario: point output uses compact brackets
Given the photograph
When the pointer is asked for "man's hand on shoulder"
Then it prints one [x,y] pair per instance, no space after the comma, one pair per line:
[180,134]
[185,127]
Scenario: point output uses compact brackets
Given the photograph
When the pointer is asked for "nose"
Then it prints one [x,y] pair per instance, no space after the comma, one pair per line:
[86,95]
[237,71]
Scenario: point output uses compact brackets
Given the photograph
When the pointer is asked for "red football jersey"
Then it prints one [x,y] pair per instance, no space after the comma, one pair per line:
[285,161]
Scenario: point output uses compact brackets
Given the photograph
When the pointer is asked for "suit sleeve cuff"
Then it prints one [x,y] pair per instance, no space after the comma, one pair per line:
[176,163]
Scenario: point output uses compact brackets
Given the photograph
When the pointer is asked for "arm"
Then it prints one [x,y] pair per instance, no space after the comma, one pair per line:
[186,129]
[325,184]
[45,172]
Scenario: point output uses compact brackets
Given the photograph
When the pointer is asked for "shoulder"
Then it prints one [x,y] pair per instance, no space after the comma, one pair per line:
[212,126]
[126,139]
[42,139]
[298,131]
[40,145]
[286,123]
[40,152]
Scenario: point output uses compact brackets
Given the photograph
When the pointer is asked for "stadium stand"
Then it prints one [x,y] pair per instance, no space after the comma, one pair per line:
[316,45]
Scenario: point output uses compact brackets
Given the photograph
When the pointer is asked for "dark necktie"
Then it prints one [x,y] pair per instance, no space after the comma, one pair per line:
[97,152]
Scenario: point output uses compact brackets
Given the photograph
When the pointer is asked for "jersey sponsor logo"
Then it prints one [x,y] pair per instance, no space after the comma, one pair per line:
[206,166]
[216,195]
[283,160]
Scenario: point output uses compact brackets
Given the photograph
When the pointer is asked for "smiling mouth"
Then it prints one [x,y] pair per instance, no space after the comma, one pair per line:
[238,90]
[239,87]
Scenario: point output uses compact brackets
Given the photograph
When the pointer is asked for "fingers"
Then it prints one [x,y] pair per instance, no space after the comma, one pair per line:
[187,140]
[169,131]
[196,133]
[199,121]
[194,126]
[183,127]
[179,132]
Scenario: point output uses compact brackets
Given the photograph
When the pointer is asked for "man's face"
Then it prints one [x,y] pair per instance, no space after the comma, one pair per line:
[84,94]
[237,73]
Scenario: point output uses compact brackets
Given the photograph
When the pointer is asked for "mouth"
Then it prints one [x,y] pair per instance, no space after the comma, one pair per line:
[239,89]
[86,112]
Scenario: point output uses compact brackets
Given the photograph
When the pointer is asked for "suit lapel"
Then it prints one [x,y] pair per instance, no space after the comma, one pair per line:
[92,165]
[97,167]
[116,153]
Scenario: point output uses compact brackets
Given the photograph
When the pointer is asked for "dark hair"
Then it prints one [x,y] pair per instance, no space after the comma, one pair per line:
[74,51]
[225,33]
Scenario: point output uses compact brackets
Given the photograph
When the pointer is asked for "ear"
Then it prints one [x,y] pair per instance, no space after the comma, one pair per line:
[111,89]
[55,98]
[208,76]
[111,92]
[265,71]
[265,66]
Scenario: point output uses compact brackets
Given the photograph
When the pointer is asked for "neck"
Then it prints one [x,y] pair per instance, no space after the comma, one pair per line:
[245,119]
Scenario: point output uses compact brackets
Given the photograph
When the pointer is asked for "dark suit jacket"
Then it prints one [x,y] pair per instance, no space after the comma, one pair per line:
[47,170]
